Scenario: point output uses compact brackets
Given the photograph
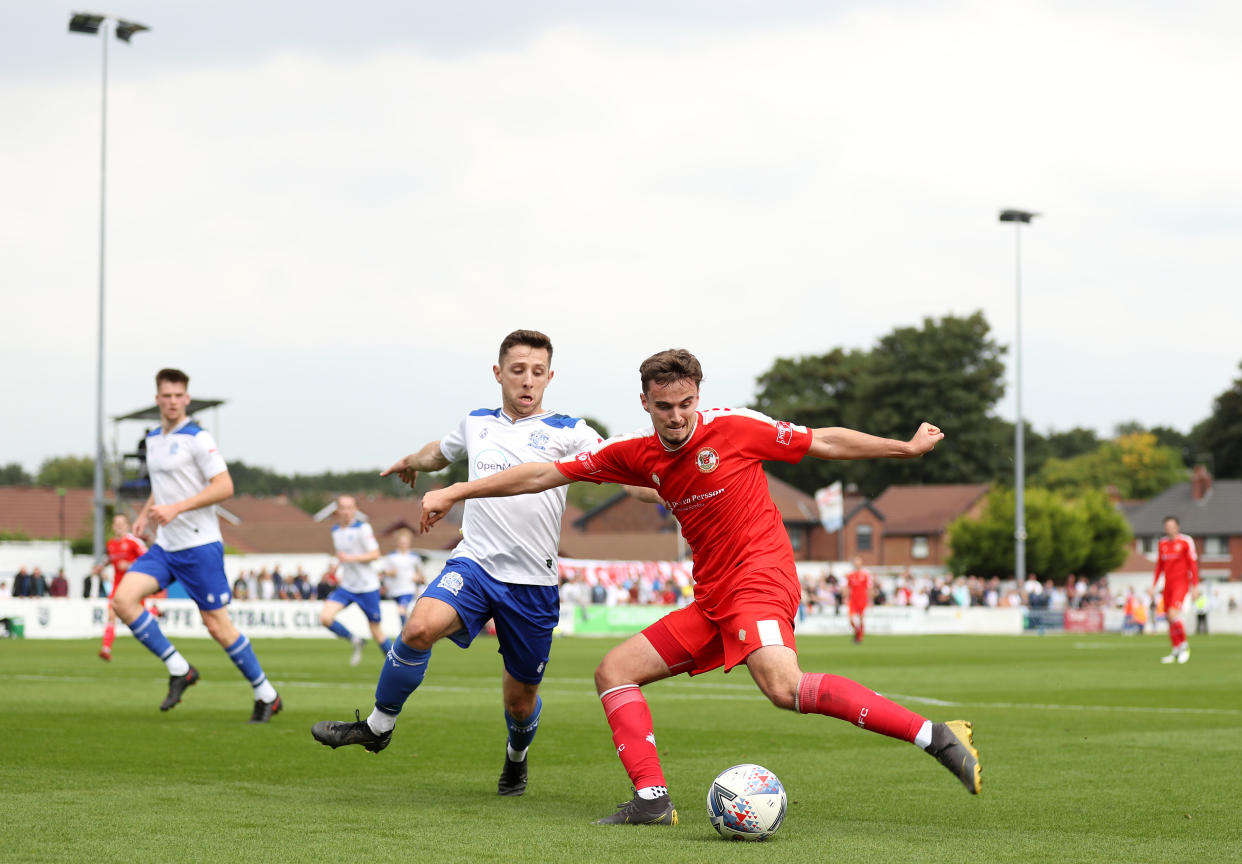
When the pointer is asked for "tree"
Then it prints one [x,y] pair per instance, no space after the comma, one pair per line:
[1110,536]
[13,474]
[1083,536]
[1134,464]
[1220,435]
[948,371]
[76,472]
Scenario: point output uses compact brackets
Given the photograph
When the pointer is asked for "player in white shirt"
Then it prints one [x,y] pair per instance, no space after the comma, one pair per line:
[503,569]
[357,581]
[188,479]
[403,574]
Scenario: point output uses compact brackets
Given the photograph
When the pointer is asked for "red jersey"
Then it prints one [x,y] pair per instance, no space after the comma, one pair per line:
[1178,561]
[860,587]
[124,551]
[715,486]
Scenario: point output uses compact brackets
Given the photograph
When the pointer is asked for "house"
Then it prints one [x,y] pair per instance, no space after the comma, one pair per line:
[42,514]
[1210,511]
[915,521]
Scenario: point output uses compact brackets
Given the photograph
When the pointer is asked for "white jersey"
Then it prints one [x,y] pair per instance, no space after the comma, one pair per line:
[181,464]
[356,538]
[403,566]
[514,539]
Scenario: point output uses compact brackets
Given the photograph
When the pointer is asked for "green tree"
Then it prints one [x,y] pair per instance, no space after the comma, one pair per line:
[1134,464]
[948,371]
[1220,435]
[1084,536]
[13,474]
[1110,535]
[76,472]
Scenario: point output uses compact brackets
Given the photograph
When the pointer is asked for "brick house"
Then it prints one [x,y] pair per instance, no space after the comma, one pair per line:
[1210,511]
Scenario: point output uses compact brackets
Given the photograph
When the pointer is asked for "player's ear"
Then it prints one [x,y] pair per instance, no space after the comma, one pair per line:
[642,397]
[550,374]
[496,372]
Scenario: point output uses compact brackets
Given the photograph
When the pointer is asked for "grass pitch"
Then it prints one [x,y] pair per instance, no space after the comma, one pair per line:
[1091,750]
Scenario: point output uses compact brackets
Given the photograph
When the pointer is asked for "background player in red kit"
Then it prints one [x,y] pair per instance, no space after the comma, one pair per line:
[708,468]
[859,581]
[124,549]
[1178,562]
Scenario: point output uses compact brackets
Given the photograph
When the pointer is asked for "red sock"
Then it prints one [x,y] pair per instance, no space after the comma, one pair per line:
[861,628]
[632,732]
[834,696]
[109,636]
[1177,633]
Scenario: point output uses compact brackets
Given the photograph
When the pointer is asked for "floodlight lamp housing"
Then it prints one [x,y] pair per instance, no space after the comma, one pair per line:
[126,29]
[1017,216]
[85,22]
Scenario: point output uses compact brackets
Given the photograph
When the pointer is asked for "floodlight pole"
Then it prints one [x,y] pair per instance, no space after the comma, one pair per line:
[1019,218]
[90,24]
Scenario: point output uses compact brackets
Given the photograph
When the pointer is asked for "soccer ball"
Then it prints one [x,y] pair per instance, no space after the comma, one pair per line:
[746,802]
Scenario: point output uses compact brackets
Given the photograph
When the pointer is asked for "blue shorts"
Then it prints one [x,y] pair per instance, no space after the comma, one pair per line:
[368,602]
[525,615]
[405,601]
[199,569]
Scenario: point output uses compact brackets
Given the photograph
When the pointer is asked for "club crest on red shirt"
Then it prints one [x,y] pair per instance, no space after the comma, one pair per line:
[707,460]
[784,432]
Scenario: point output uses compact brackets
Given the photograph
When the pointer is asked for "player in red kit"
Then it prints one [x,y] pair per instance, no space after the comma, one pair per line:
[124,549]
[707,466]
[1177,560]
[859,581]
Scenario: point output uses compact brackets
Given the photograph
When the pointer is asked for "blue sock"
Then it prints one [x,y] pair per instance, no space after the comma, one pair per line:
[147,631]
[386,646]
[402,617]
[402,673]
[341,630]
[243,658]
[522,732]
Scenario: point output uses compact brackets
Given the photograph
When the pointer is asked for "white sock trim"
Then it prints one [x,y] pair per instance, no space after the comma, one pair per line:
[650,793]
[516,755]
[924,738]
[379,722]
[265,692]
[177,665]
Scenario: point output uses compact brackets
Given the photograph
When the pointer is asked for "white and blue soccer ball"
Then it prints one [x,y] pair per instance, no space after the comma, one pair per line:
[746,802]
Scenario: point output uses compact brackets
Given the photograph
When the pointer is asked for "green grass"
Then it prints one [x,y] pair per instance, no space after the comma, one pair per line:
[1092,751]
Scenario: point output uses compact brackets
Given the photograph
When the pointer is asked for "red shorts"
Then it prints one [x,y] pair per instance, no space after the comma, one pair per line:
[1174,596]
[857,608]
[691,640]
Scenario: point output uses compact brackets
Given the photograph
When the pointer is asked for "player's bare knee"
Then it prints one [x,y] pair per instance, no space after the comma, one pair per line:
[325,619]
[417,635]
[520,706]
[781,696]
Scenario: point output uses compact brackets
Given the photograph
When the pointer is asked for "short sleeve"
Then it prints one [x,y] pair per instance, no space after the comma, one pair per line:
[606,462]
[369,543]
[207,455]
[760,436]
[453,445]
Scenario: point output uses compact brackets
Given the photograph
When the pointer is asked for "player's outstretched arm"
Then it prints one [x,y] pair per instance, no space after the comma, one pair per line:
[837,442]
[429,458]
[518,480]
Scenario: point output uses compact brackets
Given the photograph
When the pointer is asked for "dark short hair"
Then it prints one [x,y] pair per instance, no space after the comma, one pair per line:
[529,338]
[172,376]
[1174,518]
[675,364]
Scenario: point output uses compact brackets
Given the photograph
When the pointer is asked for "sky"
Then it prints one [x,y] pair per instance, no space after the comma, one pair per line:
[330,214]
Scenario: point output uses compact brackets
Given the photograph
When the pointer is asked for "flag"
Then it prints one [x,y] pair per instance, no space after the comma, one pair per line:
[831,505]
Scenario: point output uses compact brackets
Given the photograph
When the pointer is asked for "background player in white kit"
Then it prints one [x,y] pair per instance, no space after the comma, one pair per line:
[188,478]
[503,569]
[358,583]
[403,574]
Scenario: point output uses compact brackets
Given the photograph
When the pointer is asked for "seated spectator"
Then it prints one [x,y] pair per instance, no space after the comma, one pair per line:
[327,582]
[60,585]
[38,584]
[241,591]
[4,590]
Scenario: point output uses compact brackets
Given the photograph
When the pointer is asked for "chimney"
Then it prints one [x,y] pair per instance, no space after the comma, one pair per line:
[1200,483]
